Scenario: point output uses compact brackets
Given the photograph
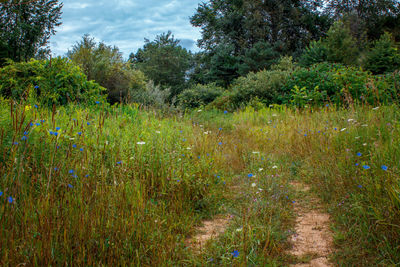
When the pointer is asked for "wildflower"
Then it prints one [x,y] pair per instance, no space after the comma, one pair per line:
[75,176]
[188,148]
[335,129]
[55,133]
[71,171]
[27,108]
[359,186]
[55,168]
[81,149]
[97,102]
[36,106]
[256,152]
[24,137]
[357,164]
[70,186]
[305,134]
[274,167]
[293,201]
[250,175]
[385,168]
[37,124]
[141,143]
[42,121]
[79,133]
[225,112]
[31,124]
[36,87]
[10,200]
[253,185]
[26,133]
[158,132]
[15,143]
[375,108]
[366,167]
[235,253]
[350,120]
[184,140]
[260,169]
[58,128]
[1,193]
[88,123]
[220,129]
[359,154]
[220,143]
[74,145]
[327,105]
[119,162]
[344,129]
[199,110]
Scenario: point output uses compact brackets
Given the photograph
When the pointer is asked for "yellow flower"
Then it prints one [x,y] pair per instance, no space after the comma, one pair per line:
[27,108]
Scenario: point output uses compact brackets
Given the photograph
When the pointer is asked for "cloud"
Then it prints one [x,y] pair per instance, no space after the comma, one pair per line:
[125,23]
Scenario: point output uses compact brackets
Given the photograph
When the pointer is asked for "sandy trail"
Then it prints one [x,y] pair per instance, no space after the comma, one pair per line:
[312,238]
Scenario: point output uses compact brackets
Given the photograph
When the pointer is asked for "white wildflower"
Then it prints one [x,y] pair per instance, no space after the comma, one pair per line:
[344,129]
[275,167]
[141,143]
[253,185]
[260,169]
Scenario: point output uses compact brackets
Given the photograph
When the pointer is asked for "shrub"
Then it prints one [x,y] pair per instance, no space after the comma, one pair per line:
[199,95]
[152,96]
[316,52]
[58,81]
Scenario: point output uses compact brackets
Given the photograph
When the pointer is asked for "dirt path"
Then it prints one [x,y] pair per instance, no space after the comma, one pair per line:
[208,230]
[312,242]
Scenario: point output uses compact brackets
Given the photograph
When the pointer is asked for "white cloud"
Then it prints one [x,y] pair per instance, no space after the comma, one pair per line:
[125,23]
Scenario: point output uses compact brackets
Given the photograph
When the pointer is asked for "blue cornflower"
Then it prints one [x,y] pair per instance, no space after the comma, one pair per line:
[366,167]
[71,171]
[81,149]
[359,154]
[88,123]
[198,157]
[75,176]
[97,102]
[10,200]
[31,124]
[184,140]
[74,145]
[36,86]
[51,132]
[58,128]
[87,175]
[36,106]
[178,181]
[56,169]
[356,164]
[119,162]
[183,155]
[220,129]
[385,168]
[24,138]
[15,143]
[181,131]
[26,133]
[1,193]
[220,143]
[70,186]
[79,133]
[42,121]
[235,253]
[55,133]
[250,175]
[327,105]
[305,134]
[225,112]
[359,186]
[335,129]
[37,124]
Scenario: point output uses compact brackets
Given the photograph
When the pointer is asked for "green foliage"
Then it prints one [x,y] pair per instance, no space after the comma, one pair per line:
[58,81]
[152,96]
[340,44]
[25,27]
[164,61]
[343,85]
[301,97]
[105,65]
[316,52]
[199,95]
[383,56]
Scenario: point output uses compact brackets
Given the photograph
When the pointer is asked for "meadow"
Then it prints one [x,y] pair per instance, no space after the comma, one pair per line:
[125,185]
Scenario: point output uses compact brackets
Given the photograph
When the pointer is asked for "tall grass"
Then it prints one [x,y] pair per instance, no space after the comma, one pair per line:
[122,186]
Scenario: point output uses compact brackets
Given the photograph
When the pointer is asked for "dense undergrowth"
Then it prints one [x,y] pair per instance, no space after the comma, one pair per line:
[120,185]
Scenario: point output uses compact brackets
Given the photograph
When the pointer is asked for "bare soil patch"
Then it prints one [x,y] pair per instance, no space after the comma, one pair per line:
[313,237]
[208,230]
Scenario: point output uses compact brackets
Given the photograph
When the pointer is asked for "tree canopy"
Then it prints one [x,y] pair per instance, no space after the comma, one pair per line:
[26,26]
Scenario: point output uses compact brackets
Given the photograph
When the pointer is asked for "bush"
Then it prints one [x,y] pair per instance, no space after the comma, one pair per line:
[152,96]
[199,95]
[383,57]
[341,85]
[316,52]
[58,81]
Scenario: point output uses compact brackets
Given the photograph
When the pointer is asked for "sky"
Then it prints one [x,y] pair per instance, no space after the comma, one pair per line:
[125,23]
